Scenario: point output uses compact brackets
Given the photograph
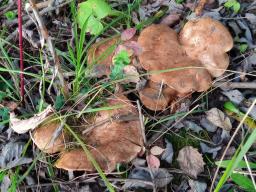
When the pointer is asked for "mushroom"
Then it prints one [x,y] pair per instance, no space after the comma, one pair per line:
[43,137]
[161,50]
[207,40]
[156,97]
[116,137]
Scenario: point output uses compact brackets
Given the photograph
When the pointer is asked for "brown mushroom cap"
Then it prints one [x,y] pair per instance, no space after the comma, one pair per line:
[155,97]
[207,40]
[43,135]
[161,51]
[111,141]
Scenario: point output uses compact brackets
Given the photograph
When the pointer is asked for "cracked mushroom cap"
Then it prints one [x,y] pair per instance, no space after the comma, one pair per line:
[156,97]
[161,50]
[115,138]
[207,40]
[43,137]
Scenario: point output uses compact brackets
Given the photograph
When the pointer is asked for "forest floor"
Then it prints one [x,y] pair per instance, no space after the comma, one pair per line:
[203,141]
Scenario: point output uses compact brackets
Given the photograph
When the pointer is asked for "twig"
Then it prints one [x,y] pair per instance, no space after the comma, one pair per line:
[236,85]
[142,127]
[21,50]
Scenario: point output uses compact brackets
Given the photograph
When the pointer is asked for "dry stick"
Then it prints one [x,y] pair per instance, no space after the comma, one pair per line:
[230,141]
[142,127]
[48,39]
[236,85]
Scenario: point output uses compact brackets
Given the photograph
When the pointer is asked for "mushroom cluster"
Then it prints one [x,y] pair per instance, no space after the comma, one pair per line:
[114,136]
[178,65]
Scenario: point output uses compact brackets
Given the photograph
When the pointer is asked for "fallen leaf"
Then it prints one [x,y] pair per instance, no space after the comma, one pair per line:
[148,177]
[171,19]
[161,177]
[153,161]
[139,162]
[190,161]
[208,125]
[134,46]
[11,155]
[234,96]
[168,152]
[131,73]
[156,150]
[139,174]
[211,150]
[218,118]
[190,125]
[11,105]
[197,186]
[23,126]
[128,34]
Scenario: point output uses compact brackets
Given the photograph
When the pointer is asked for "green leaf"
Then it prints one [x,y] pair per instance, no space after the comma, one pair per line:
[243,47]
[241,164]
[122,57]
[94,11]
[236,7]
[231,107]
[10,15]
[233,4]
[84,12]
[4,113]
[100,8]
[243,182]
[120,61]
[94,26]
[117,72]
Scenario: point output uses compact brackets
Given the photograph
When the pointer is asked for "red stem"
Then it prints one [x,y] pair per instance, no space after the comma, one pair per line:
[21,50]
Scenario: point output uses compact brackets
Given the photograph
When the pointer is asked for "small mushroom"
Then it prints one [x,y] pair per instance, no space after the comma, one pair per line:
[43,137]
[156,97]
[161,50]
[115,138]
[207,40]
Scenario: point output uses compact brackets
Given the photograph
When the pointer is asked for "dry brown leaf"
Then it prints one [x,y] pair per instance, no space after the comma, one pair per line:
[128,34]
[131,73]
[190,161]
[153,161]
[218,118]
[23,126]
[171,19]
[156,150]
